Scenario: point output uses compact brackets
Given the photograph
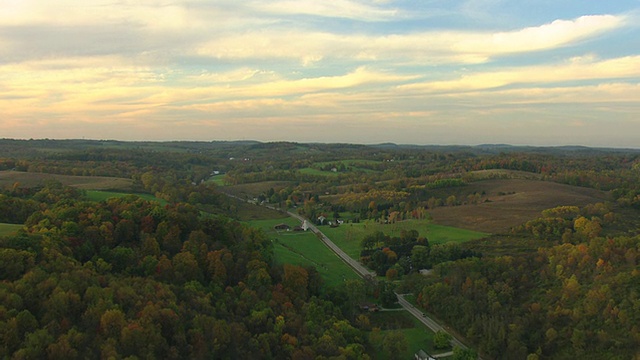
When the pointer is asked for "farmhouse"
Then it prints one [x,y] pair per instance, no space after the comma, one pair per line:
[282,226]
[422,355]
[369,307]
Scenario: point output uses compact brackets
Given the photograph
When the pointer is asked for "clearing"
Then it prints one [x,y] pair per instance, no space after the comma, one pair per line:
[348,236]
[9,229]
[304,249]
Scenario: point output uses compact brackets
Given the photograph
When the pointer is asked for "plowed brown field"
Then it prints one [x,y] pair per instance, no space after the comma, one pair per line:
[28,179]
[524,201]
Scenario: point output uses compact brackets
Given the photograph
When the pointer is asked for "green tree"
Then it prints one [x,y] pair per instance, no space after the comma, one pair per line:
[394,344]
[464,354]
[441,340]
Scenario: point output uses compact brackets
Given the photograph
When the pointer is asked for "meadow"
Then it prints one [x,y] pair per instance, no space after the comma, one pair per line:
[304,249]
[217,179]
[9,229]
[350,166]
[348,236]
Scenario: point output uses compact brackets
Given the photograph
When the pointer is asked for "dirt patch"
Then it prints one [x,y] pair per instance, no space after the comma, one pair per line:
[30,179]
[508,203]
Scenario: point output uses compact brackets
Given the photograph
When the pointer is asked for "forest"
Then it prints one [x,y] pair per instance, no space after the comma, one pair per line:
[168,264]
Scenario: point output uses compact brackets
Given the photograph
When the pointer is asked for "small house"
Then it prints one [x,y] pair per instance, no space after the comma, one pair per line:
[422,355]
[282,226]
[369,307]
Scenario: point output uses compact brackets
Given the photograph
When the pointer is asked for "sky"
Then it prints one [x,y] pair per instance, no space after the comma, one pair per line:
[443,72]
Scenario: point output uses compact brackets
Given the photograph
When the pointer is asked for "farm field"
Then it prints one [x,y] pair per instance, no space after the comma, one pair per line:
[512,202]
[304,249]
[349,166]
[9,229]
[348,236]
[317,172]
[30,179]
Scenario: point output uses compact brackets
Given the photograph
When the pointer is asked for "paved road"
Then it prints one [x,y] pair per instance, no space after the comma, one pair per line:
[355,265]
[429,322]
[364,272]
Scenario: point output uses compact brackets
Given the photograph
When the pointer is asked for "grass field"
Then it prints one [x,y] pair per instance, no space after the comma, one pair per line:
[9,229]
[99,195]
[317,172]
[348,236]
[304,249]
[418,336]
[217,179]
[351,166]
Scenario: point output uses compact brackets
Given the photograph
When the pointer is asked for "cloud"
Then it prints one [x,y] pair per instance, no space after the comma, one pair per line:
[577,69]
[547,36]
[335,9]
[435,47]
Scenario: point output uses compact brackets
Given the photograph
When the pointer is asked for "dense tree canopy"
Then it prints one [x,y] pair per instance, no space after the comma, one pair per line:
[131,278]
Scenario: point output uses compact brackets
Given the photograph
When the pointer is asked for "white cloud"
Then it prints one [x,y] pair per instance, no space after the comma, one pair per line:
[433,47]
[555,34]
[336,9]
[576,69]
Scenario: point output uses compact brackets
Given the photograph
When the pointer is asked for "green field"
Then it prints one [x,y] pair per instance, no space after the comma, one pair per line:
[348,236]
[217,179]
[317,172]
[99,195]
[417,334]
[351,166]
[304,249]
[9,229]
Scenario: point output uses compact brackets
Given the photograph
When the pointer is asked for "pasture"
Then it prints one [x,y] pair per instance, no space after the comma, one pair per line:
[512,202]
[304,249]
[9,229]
[348,236]
[31,179]
[350,166]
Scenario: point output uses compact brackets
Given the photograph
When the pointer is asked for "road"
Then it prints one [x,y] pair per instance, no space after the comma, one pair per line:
[355,265]
[365,273]
[429,322]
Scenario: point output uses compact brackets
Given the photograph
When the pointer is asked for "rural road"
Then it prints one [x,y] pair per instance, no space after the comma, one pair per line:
[364,272]
[429,322]
[355,265]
